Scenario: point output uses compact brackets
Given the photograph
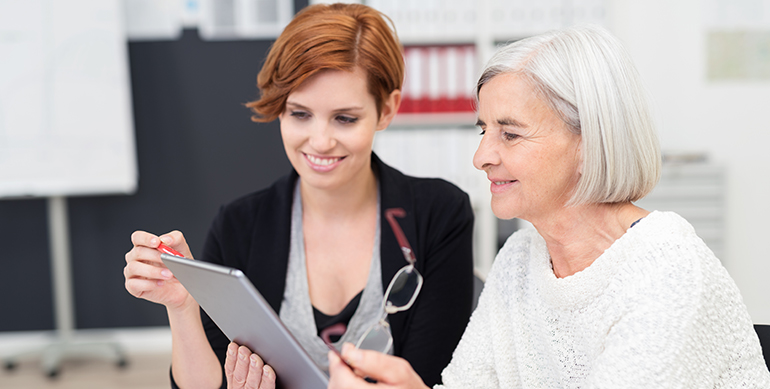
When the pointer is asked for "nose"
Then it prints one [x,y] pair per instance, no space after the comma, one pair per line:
[486,156]
[322,137]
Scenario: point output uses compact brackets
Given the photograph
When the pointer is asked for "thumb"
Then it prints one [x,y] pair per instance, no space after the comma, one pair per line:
[381,367]
[340,375]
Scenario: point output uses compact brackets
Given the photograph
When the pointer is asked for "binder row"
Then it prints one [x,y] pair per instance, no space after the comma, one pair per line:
[453,20]
[439,79]
[449,21]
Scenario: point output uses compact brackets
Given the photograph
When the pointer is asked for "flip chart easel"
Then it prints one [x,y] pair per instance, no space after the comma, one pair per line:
[66,129]
[65,344]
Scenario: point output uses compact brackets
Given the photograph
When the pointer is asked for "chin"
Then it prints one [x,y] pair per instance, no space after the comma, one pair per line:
[504,211]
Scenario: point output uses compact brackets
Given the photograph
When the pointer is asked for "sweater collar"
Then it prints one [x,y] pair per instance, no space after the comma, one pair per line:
[581,288]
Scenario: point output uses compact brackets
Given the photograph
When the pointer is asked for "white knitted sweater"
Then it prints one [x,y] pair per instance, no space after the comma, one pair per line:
[655,310]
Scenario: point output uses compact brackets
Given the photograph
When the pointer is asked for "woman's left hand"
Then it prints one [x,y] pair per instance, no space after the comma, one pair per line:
[390,371]
[245,370]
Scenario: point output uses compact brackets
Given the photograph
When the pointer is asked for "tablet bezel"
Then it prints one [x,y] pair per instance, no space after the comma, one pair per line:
[232,302]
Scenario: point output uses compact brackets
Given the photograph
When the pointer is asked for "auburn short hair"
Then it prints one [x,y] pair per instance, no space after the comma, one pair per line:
[330,36]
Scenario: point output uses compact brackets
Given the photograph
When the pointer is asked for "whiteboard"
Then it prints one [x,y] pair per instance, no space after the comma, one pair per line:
[66,124]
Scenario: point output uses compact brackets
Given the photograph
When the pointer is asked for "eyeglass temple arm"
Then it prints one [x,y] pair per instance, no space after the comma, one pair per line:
[406,249]
[334,330]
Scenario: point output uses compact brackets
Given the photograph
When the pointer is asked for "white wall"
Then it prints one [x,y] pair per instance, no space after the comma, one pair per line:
[727,119]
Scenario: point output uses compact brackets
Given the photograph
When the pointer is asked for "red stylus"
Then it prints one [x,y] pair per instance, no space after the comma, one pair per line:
[168,250]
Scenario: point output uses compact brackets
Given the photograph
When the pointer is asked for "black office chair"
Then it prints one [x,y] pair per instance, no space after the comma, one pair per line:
[763,331]
[478,285]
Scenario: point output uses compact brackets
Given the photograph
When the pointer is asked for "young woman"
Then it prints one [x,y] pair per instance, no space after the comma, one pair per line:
[314,243]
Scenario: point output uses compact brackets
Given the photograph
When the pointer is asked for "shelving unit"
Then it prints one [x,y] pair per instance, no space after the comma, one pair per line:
[695,191]
[446,152]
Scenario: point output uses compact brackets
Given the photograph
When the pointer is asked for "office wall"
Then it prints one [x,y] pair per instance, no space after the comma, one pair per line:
[727,119]
[197,149]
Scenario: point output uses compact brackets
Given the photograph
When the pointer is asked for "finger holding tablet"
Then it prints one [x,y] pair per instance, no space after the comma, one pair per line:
[246,370]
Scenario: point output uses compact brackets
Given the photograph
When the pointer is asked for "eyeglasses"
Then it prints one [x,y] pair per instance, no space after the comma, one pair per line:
[400,295]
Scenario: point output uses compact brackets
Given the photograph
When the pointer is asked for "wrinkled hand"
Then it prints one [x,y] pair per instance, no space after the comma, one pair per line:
[387,370]
[146,275]
[245,370]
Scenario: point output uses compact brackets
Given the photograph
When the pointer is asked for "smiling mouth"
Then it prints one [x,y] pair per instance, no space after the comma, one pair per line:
[503,182]
[322,161]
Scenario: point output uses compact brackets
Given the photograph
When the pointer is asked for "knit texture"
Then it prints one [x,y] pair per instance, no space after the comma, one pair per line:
[655,310]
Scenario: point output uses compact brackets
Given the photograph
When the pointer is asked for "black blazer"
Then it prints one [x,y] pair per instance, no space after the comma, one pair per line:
[253,234]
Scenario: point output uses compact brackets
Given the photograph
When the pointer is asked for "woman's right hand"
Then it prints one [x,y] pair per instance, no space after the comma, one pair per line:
[389,371]
[146,275]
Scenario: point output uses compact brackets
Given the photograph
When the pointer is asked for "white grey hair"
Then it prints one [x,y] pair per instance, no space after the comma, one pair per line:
[588,80]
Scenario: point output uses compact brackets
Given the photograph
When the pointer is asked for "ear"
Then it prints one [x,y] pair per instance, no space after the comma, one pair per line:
[389,110]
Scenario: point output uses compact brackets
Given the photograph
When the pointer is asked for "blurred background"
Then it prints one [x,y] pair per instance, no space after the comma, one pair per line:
[118,115]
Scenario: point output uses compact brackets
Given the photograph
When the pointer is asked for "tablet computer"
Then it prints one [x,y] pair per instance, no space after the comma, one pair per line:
[245,317]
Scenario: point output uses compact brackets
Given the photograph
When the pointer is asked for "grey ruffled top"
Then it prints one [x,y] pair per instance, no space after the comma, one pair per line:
[296,308]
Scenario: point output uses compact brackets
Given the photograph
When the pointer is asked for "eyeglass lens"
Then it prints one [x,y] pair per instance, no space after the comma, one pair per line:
[404,286]
[377,338]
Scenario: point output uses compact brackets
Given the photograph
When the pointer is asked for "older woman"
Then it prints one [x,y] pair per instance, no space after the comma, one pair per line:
[600,293]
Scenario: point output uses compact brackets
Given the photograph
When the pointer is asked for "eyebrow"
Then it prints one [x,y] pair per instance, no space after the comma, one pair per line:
[346,109]
[510,122]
